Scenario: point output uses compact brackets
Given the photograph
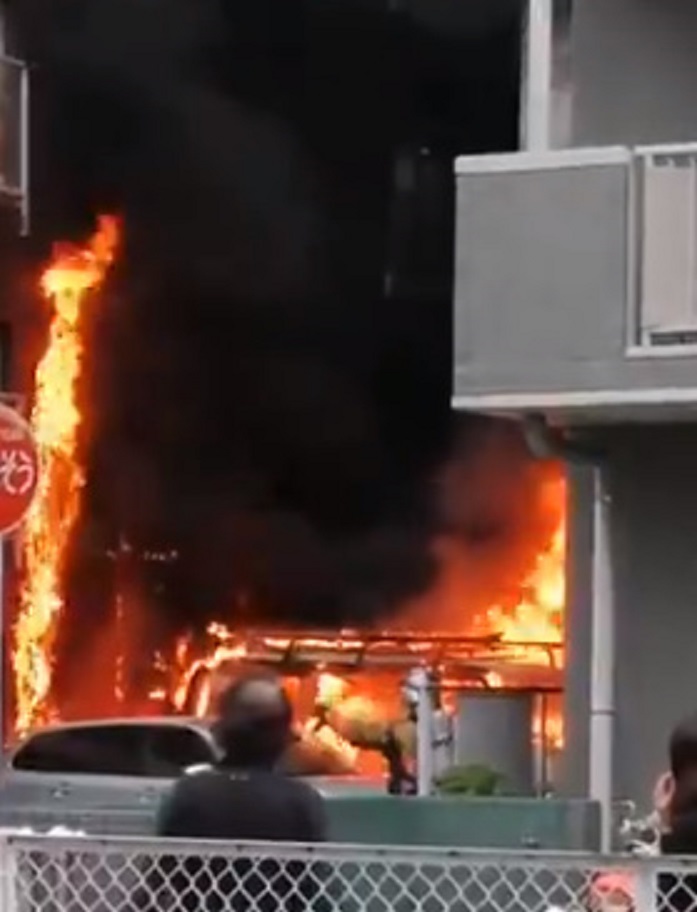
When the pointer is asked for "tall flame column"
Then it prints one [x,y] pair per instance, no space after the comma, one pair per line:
[73,273]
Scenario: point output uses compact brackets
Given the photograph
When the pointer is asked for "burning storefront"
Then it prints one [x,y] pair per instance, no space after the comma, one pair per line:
[352,688]
[347,684]
[298,495]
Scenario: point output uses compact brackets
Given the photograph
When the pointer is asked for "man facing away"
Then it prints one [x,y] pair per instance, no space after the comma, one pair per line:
[244,796]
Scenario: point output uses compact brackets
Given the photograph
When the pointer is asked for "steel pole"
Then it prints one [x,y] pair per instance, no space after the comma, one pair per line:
[602,697]
[424,732]
[537,77]
[24,151]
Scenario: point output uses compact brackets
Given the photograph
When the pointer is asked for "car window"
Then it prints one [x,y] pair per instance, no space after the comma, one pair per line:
[116,750]
[172,749]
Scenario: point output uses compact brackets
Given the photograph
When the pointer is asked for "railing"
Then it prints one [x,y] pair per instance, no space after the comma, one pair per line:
[659,231]
[56,874]
[355,650]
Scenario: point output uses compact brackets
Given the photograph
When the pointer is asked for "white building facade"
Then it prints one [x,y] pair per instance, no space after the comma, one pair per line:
[576,309]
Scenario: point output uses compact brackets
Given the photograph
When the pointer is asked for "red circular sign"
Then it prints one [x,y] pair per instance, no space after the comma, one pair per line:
[19,468]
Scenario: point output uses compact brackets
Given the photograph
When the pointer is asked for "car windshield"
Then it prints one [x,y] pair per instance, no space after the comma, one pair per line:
[160,751]
[151,750]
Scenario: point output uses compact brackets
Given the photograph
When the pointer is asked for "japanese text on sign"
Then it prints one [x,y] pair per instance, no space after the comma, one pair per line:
[17,472]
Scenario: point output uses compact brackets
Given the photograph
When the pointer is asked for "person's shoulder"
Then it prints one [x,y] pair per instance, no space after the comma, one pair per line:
[311,810]
[299,792]
[302,788]
[194,779]
[180,804]
[307,800]
[199,769]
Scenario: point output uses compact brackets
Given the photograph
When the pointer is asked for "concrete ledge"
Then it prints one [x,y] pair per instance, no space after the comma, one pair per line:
[510,823]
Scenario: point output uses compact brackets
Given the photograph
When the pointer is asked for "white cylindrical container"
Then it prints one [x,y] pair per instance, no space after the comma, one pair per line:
[494,728]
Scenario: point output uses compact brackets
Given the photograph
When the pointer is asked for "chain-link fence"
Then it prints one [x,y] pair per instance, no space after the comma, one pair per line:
[56,874]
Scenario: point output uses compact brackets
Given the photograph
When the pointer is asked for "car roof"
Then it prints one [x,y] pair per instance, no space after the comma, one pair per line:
[203,725]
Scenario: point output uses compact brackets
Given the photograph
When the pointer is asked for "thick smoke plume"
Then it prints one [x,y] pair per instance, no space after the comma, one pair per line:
[254,402]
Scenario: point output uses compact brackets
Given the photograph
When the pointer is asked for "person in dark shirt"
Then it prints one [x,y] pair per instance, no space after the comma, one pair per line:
[677,891]
[245,797]
[682,787]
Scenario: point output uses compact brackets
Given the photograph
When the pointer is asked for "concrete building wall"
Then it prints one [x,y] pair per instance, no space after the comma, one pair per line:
[540,280]
[541,304]
[633,71]
[654,491]
[546,293]
[634,82]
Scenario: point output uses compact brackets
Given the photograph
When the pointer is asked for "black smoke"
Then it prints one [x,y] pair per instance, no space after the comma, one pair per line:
[260,398]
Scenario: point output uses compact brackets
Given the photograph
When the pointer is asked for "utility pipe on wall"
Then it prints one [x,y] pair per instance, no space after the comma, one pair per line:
[602,689]
[537,75]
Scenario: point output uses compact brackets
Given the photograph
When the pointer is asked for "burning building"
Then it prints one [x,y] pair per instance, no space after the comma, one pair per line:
[346,684]
[14,224]
[352,678]
[268,468]
[242,399]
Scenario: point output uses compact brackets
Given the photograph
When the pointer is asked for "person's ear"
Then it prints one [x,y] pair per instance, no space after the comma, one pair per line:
[663,794]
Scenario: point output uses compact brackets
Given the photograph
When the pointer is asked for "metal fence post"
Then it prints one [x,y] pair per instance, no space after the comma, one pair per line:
[8,874]
[645,888]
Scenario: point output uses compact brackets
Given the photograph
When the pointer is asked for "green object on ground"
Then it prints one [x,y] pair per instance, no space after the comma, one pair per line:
[475,780]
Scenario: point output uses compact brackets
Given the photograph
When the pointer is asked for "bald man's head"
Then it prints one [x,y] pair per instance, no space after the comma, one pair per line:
[254,724]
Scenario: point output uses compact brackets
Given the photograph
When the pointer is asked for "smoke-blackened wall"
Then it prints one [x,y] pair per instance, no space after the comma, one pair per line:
[267,384]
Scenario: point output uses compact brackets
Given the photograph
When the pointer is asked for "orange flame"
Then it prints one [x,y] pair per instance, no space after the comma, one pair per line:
[538,616]
[530,628]
[73,273]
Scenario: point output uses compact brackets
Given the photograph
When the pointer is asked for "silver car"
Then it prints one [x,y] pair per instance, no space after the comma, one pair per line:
[108,776]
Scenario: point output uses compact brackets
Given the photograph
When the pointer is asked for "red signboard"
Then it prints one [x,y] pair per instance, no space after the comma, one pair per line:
[19,468]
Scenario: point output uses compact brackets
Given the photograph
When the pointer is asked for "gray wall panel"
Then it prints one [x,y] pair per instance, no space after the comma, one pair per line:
[654,495]
[541,286]
[541,266]
[633,71]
